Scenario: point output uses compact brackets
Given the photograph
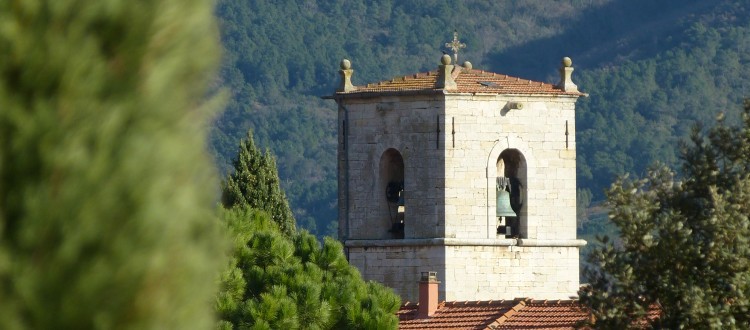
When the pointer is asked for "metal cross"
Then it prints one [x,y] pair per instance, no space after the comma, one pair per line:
[455,45]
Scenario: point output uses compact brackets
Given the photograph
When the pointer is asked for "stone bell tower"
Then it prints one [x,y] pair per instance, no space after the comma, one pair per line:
[423,162]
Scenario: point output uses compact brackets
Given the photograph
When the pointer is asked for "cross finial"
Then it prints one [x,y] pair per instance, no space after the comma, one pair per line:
[455,45]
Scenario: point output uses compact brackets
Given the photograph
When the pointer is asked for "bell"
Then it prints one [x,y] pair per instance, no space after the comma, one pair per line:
[503,205]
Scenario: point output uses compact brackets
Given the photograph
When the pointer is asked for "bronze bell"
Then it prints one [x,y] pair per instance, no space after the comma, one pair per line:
[503,204]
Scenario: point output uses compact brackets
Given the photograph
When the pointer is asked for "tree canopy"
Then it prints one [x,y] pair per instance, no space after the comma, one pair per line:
[279,278]
[255,184]
[684,245]
[105,219]
[277,282]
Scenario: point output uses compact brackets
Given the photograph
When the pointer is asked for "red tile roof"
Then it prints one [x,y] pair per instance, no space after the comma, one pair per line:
[467,81]
[504,314]
[519,313]
[456,315]
[556,314]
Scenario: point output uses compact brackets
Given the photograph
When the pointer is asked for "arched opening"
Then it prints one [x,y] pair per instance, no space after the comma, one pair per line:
[511,194]
[392,181]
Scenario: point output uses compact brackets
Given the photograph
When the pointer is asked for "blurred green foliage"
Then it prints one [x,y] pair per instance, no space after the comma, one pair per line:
[107,193]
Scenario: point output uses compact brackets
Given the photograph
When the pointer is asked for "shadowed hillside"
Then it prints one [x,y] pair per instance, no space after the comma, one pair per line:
[652,69]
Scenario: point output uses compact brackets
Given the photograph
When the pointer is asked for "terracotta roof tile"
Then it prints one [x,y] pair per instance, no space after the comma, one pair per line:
[505,314]
[468,81]
[456,315]
[552,314]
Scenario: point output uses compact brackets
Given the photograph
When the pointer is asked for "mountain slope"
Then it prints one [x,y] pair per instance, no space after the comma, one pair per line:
[652,68]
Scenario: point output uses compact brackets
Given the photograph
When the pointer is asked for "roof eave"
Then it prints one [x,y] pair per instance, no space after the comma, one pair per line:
[369,94]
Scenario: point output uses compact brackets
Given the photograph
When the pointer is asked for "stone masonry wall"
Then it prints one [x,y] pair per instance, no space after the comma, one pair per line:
[409,125]
[399,267]
[473,272]
[450,145]
[484,127]
[508,272]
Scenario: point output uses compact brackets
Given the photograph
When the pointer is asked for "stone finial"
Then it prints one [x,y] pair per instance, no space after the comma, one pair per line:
[345,64]
[567,62]
[346,76]
[467,65]
[445,59]
[566,71]
[445,74]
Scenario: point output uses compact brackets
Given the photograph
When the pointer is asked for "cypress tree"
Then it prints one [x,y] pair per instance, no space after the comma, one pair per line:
[106,198]
[255,184]
[684,245]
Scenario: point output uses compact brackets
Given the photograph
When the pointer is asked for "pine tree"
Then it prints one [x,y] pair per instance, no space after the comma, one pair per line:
[107,213]
[684,246]
[276,282]
[255,184]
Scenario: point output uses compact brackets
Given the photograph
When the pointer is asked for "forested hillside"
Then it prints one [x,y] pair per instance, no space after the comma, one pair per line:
[652,69]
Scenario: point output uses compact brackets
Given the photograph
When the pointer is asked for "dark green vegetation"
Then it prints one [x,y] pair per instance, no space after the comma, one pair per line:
[107,211]
[282,56]
[684,244]
[652,68]
[275,282]
[284,279]
[254,183]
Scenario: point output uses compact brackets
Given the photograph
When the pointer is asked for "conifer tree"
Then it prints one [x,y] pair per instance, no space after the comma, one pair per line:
[255,184]
[106,201]
[277,282]
[684,245]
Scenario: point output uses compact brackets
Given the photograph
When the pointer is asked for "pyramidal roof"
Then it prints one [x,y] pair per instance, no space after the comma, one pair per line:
[458,79]
[467,81]
[453,78]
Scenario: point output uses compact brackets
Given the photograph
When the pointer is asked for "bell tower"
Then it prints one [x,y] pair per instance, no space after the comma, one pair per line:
[464,172]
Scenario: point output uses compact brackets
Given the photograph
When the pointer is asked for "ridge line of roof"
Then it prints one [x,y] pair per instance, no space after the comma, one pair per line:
[507,315]
[468,81]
